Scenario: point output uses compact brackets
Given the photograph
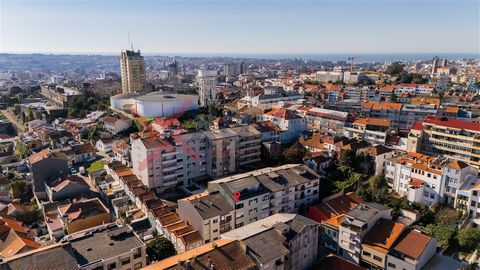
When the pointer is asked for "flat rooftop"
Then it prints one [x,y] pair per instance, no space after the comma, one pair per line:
[103,244]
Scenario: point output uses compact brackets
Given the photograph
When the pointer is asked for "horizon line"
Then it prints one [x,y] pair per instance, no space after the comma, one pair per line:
[362,54]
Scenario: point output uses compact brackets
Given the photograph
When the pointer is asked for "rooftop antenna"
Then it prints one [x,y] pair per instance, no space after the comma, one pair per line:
[129,42]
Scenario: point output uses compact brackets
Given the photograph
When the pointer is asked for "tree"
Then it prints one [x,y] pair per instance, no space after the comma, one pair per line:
[347,158]
[160,248]
[21,150]
[393,97]
[394,69]
[447,216]
[20,189]
[442,232]
[295,153]
[418,79]
[405,77]
[469,238]
[28,217]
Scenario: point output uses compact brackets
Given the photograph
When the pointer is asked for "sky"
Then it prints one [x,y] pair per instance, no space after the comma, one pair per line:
[240,26]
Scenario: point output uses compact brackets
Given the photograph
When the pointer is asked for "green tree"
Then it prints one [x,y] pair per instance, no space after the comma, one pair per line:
[21,150]
[393,97]
[418,79]
[405,77]
[29,217]
[295,153]
[20,189]
[394,69]
[347,158]
[160,248]
[469,238]
[443,232]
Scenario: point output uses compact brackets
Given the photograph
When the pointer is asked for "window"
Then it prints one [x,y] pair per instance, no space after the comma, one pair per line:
[112,266]
[367,254]
[240,205]
[474,193]
[125,261]
[215,231]
[376,258]
[137,254]
[215,221]
[137,266]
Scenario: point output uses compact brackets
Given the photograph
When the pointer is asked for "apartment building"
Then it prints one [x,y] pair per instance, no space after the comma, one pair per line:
[412,88]
[108,246]
[331,213]
[379,154]
[220,254]
[163,163]
[281,241]
[378,242]
[358,222]
[427,180]
[132,69]
[326,121]
[455,139]
[207,92]
[61,95]
[209,213]
[412,250]
[258,194]
[231,148]
[385,110]
[372,130]
[411,113]
[249,144]
[271,98]
[291,125]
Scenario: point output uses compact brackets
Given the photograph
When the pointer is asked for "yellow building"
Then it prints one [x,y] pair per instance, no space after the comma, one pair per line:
[132,68]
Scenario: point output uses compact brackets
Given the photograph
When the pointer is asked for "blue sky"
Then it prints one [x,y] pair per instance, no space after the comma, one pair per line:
[267,26]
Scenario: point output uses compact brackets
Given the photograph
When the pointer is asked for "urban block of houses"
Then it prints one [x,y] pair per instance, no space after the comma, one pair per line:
[116,124]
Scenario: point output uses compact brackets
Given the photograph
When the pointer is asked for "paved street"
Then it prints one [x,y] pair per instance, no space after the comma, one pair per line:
[20,126]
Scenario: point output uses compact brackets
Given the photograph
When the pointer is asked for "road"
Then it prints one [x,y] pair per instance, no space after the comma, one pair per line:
[20,126]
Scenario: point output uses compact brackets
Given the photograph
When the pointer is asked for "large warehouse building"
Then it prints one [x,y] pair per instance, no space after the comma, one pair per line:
[156,104]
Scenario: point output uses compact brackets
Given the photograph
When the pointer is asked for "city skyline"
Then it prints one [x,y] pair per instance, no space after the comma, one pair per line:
[241,27]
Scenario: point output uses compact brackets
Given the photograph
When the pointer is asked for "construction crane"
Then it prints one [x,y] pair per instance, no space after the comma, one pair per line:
[352,59]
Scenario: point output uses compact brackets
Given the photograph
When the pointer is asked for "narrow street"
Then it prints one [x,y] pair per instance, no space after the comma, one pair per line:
[20,126]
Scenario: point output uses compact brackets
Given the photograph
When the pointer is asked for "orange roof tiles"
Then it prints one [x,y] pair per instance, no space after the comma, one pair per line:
[416,182]
[383,235]
[413,243]
[425,100]
[34,158]
[335,221]
[382,106]
[173,260]
[373,122]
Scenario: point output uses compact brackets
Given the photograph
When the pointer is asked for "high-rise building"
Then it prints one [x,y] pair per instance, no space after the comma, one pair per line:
[207,92]
[234,69]
[132,68]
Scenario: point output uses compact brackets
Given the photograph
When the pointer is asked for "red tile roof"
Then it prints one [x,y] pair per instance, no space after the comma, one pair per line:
[458,124]
[413,243]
